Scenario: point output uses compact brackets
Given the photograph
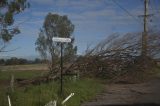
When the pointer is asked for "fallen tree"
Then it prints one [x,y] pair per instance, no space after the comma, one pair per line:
[113,57]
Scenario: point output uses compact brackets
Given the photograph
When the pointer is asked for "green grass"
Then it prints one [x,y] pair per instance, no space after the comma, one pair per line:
[5,75]
[27,67]
[84,89]
[22,71]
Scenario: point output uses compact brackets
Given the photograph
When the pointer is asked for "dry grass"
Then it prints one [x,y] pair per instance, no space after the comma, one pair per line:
[22,71]
[30,67]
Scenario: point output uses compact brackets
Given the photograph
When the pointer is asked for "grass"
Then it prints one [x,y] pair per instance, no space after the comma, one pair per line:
[22,71]
[156,71]
[27,67]
[84,89]
[5,75]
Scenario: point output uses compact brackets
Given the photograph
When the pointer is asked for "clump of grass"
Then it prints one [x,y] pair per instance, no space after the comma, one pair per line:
[39,95]
[84,90]
[5,75]
[155,71]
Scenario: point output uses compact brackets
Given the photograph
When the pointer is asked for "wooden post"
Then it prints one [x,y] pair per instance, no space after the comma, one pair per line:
[12,83]
[144,34]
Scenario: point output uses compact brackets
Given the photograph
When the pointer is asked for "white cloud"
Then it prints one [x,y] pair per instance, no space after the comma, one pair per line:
[37,22]
[44,2]
[77,3]
[39,13]
[91,15]
[97,14]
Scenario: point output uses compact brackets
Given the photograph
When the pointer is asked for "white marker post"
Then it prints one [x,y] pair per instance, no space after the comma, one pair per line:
[9,101]
[67,98]
[61,40]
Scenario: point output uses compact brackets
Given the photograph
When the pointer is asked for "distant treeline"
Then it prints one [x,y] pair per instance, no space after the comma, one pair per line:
[20,61]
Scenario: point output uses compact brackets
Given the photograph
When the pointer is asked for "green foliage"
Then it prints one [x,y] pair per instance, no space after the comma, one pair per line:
[2,61]
[8,9]
[20,61]
[41,45]
[15,61]
[6,36]
[56,26]
[8,19]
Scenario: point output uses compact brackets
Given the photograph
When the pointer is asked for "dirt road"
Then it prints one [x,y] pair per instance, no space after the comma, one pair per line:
[142,94]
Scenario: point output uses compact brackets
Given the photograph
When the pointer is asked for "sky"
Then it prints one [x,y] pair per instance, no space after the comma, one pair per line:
[94,20]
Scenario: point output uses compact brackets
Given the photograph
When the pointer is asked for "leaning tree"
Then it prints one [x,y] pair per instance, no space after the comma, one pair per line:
[55,26]
[8,9]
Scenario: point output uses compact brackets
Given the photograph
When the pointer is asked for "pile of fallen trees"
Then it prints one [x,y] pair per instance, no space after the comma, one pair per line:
[112,57]
[118,55]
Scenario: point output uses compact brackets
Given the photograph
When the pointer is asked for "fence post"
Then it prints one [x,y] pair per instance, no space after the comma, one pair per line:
[12,83]
[9,101]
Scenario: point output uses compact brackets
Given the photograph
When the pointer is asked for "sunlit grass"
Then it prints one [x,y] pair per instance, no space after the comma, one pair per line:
[5,75]
[39,95]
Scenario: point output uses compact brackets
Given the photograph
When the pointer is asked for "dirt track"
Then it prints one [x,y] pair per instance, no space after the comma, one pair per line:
[142,94]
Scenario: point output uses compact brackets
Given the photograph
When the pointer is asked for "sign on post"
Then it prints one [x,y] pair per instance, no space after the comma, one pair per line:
[58,39]
[61,40]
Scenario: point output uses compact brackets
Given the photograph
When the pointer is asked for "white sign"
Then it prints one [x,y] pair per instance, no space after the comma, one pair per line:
[57,39]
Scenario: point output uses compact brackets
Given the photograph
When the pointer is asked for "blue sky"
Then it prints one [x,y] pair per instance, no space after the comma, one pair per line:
[94,20]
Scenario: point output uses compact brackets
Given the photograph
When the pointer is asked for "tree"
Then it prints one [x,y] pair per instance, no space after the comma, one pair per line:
[55,26]
[8,9]
[118,55]
[2,61]
[37,61]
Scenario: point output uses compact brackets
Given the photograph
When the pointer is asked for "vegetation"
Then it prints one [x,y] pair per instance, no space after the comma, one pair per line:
[119,55]
[6,75]
[41,94]
[55,26]
[127,57]
[9,8]
[20,61]
[38,95]
[155,71]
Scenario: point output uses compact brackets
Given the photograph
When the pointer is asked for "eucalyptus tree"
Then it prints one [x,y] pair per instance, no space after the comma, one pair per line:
[56,26]
[8,9]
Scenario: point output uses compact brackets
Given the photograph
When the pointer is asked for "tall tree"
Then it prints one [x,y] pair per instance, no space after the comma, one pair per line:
[55,26]
[8,9]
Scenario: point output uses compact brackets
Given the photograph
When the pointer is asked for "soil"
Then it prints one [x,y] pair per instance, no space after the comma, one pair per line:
[123,94]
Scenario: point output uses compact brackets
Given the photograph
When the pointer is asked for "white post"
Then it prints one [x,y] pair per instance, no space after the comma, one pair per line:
[67,98]
[9,101]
